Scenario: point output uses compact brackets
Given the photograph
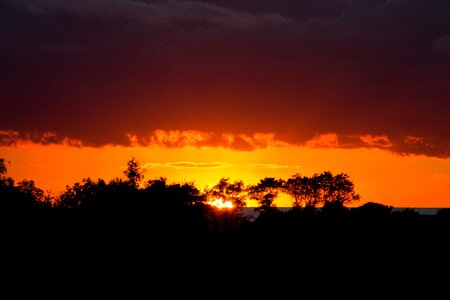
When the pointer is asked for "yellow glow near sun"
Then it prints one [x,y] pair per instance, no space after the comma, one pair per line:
[378,175]
[219,203]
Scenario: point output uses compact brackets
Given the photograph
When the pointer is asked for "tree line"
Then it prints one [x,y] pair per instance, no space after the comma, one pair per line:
[318,199]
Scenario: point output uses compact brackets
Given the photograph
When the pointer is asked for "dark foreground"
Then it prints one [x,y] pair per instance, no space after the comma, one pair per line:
[130,257]
[345,238]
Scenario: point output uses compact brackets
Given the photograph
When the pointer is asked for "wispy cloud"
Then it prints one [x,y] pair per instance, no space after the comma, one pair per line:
[273,166]
[197,165]
[151,165]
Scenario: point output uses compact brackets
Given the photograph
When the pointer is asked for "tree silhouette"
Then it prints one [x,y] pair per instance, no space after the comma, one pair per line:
[335,189]
[320,189]
[372,210]
[229,218]
[4,179]
[265,192]
[157,184]
[24,195]
[3,168]
[84,194]
[185,194]
[334,209]
[124,204]
[301,189]
[34,195]
[234,192]
[133,173]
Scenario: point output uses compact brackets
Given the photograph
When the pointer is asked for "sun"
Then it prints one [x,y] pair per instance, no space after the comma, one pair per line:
[219,203]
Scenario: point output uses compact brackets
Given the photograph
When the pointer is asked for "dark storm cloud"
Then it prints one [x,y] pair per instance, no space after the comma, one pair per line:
[100,71]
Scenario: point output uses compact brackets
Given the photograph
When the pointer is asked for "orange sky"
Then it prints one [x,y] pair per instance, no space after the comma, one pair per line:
[199,90]
[379,175]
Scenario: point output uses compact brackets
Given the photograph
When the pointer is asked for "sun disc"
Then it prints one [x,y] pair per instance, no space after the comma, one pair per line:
[219,203]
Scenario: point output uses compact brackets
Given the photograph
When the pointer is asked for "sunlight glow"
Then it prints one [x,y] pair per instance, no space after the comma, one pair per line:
[219,203]
[379,175]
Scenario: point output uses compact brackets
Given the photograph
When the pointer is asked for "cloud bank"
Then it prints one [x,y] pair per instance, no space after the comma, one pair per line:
[322,73]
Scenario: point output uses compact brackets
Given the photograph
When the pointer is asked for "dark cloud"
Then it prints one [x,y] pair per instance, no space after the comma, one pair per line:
[102,71]
[14,138]
[443,43]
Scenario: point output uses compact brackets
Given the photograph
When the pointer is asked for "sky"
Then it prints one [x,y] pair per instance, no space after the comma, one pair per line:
[198,90]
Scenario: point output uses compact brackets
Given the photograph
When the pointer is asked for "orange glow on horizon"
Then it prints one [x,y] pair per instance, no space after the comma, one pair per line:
[378,175]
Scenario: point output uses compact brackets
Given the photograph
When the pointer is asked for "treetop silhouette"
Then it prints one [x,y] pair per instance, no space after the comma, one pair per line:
[158,204]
